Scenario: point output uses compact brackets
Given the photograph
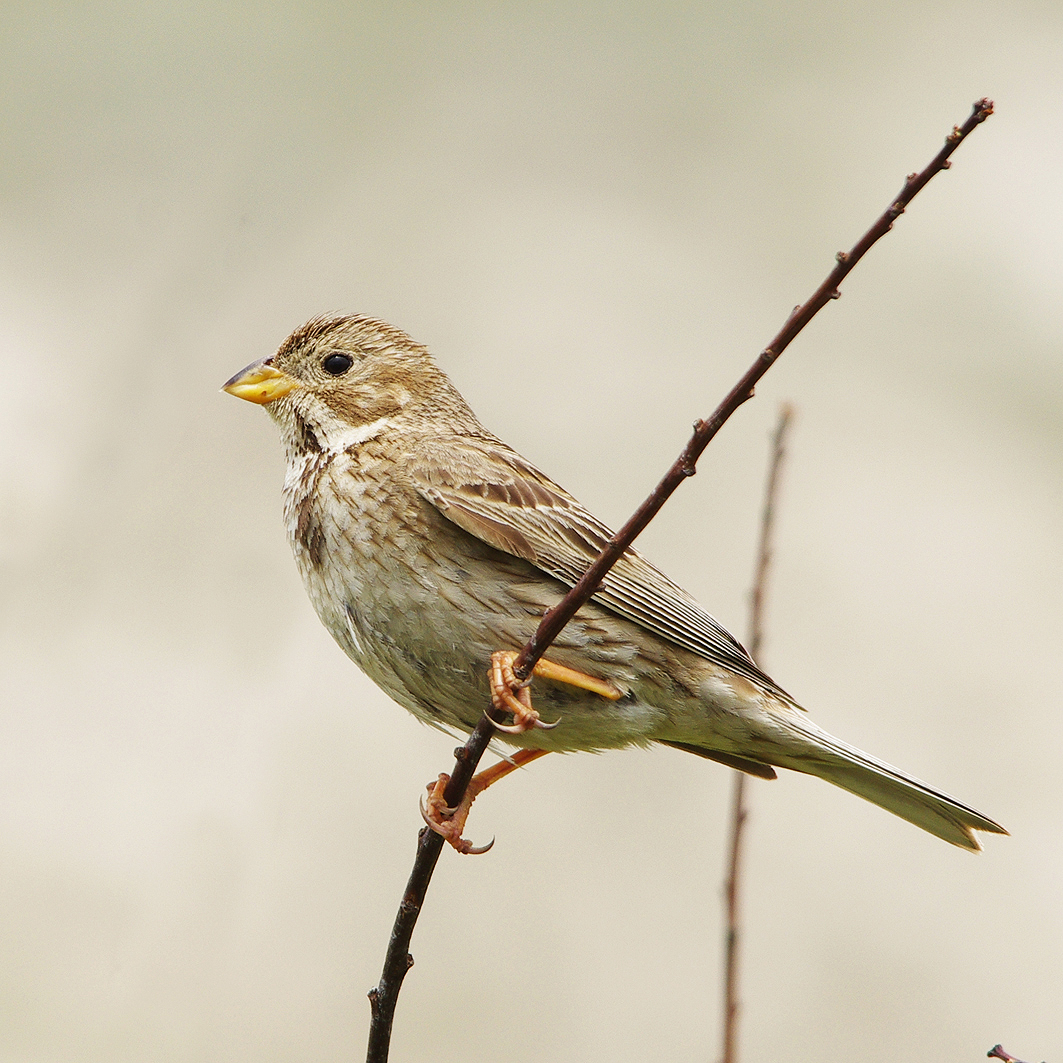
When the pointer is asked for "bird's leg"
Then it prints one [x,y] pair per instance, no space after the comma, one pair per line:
[450,822]
[509,694]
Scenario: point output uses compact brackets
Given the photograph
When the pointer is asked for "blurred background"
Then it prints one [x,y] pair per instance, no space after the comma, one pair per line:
[595,215]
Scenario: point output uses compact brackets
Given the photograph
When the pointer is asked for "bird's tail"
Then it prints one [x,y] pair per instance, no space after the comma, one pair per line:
[815,752]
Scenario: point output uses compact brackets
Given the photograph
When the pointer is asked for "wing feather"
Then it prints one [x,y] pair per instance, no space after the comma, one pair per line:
[491,492]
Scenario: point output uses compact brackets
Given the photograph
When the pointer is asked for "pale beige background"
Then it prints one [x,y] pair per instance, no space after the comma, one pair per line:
[595,215]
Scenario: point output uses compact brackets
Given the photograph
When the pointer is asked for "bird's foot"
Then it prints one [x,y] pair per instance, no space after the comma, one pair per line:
[509,694]
[449,822]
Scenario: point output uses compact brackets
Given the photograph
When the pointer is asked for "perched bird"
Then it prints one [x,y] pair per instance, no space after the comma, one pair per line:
[429,548]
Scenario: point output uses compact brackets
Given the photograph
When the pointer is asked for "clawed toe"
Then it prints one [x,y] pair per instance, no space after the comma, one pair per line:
[449,822]
[526,721]
[503,684]
[508,695]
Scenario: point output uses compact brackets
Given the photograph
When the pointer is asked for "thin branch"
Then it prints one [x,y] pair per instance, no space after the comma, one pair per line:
[398,961]
[998,1052]
[767,530]
[684,466]
[739,812]
[385,995]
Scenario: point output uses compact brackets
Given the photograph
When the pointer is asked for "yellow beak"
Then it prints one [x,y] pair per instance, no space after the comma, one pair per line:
[260,383]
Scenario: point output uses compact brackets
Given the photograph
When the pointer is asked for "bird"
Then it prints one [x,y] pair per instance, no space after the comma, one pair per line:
[430,550]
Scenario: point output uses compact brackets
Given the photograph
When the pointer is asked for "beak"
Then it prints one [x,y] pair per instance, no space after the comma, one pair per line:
[260,383]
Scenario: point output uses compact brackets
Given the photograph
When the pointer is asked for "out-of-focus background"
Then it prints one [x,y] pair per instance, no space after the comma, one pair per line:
[595,215]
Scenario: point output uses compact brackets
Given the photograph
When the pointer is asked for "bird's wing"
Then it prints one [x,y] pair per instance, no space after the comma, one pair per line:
[493,493]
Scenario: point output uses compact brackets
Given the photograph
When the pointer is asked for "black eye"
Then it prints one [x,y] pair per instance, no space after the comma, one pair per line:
[337,364]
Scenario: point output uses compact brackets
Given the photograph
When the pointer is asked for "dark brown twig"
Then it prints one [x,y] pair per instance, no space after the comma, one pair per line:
[998,1052]
[398,960]
[704,431]
[739,813]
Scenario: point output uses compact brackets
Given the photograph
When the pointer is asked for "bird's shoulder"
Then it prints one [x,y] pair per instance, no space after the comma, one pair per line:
[486,487]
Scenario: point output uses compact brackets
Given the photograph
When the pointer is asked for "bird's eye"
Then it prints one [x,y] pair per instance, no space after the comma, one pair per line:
[337,364]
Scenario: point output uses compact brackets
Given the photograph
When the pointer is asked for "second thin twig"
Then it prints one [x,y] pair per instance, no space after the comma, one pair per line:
[739,812]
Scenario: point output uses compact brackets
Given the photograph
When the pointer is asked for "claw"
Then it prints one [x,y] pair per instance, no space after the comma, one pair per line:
[525,722]
[450,827]
[508,694]
[448,822]
[424,814]
[436,809]
[503,683]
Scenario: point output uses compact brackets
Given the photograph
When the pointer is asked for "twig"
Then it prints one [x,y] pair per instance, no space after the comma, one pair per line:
[767,528]
[998,1052]
[385,995]
[704,431]
[398,961]
[739,813]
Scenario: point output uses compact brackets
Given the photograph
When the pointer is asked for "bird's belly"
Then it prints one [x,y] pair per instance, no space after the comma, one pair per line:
[427,641]
[423,628]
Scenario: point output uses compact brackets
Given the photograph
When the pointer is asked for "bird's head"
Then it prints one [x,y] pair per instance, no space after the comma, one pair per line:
[341,380]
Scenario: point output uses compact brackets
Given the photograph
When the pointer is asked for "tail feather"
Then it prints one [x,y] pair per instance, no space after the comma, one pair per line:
[821,754]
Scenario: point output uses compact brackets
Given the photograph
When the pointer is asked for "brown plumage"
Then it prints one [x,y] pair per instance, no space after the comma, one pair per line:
[426,544]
